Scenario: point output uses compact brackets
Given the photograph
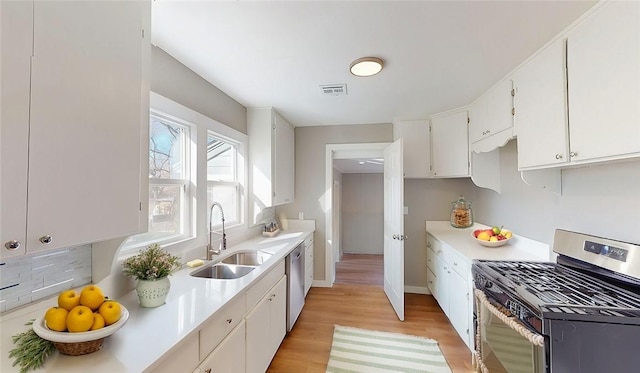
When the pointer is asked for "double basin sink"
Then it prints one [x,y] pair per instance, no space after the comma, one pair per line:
[234,266]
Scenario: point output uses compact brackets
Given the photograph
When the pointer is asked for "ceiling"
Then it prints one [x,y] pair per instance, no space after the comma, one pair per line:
[439,55]
[359,166]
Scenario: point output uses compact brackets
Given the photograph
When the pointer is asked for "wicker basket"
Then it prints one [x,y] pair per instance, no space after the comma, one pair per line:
[79,348]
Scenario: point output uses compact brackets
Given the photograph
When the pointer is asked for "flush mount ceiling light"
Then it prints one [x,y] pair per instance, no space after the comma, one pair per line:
[366,66]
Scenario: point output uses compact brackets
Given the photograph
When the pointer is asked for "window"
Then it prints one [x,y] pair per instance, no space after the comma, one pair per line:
[170,186]
[223,180]
[193,161]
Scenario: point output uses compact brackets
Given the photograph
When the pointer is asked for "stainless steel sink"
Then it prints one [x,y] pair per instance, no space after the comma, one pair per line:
[247,258]
[223,271]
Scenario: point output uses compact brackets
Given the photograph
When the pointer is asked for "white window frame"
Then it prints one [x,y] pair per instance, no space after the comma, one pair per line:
[187,218]
[238,183]
[199,215]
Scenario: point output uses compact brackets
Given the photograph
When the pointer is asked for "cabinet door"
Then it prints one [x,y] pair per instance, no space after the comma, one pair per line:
[415,143]
[459,305]
[541,109]
[183,359]
[16,27]
[86,122]
[266,327]
[284,167]
[432,283]
[308,264]
[603,59]
[450,145]
[491,118]
[229,356]
[442,283]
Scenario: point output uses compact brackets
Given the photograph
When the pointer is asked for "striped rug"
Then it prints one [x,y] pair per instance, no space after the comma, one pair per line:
[367,351]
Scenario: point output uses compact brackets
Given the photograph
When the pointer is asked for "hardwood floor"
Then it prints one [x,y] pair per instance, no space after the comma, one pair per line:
[306,348]
[360,269]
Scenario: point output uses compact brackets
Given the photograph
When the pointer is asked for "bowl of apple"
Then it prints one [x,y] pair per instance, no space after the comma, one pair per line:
[492,237]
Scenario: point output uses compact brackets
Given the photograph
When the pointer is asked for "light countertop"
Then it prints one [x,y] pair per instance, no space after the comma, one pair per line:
[460,239]
[151,333]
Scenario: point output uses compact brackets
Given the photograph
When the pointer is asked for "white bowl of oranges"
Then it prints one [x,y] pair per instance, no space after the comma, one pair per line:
[80,322]
[492,237]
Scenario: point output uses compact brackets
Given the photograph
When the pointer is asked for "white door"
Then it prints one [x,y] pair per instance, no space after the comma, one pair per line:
[394,227]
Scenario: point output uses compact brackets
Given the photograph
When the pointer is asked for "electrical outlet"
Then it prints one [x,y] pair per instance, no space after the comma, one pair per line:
[301,215]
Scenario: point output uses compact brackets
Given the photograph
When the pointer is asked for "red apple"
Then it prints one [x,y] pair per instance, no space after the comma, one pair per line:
[476,233]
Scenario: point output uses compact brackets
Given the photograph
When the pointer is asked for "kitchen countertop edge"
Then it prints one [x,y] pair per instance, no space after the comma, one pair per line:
[139,346]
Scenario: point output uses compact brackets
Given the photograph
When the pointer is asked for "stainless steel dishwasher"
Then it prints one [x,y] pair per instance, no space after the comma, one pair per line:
[295,284]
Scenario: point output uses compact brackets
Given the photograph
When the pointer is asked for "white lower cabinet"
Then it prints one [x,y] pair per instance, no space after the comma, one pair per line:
[308,263]
[266,328]
[450,282]
[243,336]
[183,359]
[229,356]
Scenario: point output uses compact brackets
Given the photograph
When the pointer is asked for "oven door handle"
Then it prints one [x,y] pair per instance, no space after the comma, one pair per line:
[512,322]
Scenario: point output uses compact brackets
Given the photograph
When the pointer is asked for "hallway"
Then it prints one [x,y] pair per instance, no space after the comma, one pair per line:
[360,269]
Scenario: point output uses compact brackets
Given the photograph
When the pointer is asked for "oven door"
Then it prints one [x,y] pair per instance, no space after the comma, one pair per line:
[501,346]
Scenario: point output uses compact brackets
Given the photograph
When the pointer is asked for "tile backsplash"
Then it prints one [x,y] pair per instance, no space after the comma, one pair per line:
[29,278]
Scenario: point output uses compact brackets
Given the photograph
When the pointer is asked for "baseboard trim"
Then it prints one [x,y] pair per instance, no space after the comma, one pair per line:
[321,284]
[407,289]
[417,289]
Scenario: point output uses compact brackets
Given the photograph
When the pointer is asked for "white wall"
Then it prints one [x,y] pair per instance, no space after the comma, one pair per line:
[362,210]
[600,200]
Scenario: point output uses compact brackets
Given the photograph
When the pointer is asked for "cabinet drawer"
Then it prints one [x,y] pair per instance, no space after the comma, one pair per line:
[431,259]
[257,291]
[434,244]
[459,263]
[431,282]
[221,324]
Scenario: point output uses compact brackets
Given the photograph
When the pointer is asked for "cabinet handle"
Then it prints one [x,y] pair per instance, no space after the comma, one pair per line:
[229,321]
[46,239]
[208,370]
[12,245]
[455,263]
[573,154]
[558,156]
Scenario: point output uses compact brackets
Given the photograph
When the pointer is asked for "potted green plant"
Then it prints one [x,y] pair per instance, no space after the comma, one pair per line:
[151,267]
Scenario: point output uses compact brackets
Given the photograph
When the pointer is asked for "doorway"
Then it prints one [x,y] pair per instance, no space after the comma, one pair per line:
[339,153]
[393,219]
[359,207]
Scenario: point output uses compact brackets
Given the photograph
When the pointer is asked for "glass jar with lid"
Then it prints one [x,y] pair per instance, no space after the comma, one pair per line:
[461,213]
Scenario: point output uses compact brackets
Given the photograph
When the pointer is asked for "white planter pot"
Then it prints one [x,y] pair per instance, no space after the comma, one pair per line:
[153,293]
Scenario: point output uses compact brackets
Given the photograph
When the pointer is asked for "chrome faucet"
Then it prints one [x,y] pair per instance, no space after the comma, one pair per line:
[223,241]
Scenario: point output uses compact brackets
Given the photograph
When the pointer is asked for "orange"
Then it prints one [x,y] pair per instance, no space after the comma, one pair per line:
[92,297]
[56,319]
[111,311]
[80,319]
[68,299]
[98,321]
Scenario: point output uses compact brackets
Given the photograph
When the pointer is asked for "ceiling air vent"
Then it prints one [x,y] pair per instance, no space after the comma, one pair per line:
[334,89]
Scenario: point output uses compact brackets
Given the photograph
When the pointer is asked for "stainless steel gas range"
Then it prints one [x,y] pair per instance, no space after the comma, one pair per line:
[578,315]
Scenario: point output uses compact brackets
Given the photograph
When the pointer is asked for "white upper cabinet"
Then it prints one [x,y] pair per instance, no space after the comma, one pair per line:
[415,142]
[88,111]
[491,118]
[284,155]
[450,144]
[271,159]
[17,37]
[597,118]
[603,67]
[541,110]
